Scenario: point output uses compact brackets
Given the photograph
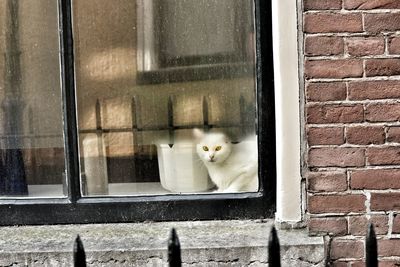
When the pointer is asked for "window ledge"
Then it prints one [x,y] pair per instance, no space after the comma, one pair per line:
[220,243]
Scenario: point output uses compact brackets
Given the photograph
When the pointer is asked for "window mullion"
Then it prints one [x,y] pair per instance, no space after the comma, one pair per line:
[68,80]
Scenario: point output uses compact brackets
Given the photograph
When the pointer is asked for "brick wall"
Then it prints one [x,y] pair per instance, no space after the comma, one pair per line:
[352,83]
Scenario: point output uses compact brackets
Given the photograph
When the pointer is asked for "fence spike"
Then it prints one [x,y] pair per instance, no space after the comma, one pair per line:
[274,254]
[174,250]
[79,253]
[206,125]
[171,132]
[371,248]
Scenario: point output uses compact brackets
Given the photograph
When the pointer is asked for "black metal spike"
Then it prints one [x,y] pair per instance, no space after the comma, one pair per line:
[79,253]
[171,121]
[174,250]
[371,248]
[274,253]
[206,125]
[98,114]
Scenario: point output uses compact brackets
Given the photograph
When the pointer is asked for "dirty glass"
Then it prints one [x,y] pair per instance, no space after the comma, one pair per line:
[165,96]
[31,130]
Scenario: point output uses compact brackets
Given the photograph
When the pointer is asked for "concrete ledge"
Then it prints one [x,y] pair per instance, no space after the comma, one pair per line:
[205,243]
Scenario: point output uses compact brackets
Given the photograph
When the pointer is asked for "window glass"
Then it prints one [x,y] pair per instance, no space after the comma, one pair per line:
[31,129]
[165,96]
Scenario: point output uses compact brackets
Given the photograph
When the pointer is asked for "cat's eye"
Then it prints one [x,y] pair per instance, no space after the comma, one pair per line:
[205,148]
[218,148]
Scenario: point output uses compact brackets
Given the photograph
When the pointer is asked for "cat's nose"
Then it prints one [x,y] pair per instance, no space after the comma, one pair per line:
[211,156]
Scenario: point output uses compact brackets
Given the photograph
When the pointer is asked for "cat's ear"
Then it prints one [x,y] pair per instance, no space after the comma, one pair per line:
[198,134]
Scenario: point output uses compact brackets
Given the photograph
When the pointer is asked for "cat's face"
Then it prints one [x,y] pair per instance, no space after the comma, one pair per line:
[212,147]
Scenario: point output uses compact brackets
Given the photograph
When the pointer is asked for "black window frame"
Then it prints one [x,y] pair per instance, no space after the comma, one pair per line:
[76,209]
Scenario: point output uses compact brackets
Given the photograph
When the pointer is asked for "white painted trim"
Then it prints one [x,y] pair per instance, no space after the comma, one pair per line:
[287,102]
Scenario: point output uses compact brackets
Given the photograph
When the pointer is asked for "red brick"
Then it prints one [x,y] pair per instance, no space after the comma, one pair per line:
[362,46]
[382,66]
[375,179]
[323,91]
[357,264]
[394,45]
[335,113]
[389,247]
[327,181]
[374,90]
[385,201]
[396,224]
[336,203]
[331,225]
[371,4]
[358,225]
[393,134]
[336,157]
[324,22]
[325,136]
[339,68]
[382,263]
[339,264]
[388,155]
[323,46]
[382,22]
[361,135]
[382,112]
[389,263]
[347,249]
[322,4]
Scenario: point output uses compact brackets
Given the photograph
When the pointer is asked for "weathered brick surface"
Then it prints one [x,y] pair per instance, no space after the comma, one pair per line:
[396,223]
[382,263]
[322,4]
[335,113]
[393,134]
[340,68]
[375,179]
[327,181]
[336,157]
[382,22]
[363,90]
[382,67]
[336,203]
[342,248]
[394,45]
[324,46]
[361,135]
[387,155]
[371,4]
[365,46]
[385,201]
[332,225]
[382,112]
[351,74]
[358,225]
[326,91]
[325,22]
[389,247]
[325,136]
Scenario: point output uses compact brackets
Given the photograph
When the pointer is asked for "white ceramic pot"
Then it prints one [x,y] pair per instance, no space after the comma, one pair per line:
[181,170]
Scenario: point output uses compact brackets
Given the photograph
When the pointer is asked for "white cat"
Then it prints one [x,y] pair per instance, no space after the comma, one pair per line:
[232,167]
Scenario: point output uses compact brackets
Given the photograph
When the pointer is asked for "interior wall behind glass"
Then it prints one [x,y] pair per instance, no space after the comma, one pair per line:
[30,89]
[108,39]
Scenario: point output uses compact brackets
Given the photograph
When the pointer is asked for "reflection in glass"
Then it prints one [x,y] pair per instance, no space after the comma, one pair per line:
[31,140]
[148,72]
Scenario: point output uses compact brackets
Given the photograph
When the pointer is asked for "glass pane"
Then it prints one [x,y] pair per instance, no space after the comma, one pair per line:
[151,72]
[31,130]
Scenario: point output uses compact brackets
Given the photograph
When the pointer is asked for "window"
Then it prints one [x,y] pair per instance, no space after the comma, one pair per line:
[103,111]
